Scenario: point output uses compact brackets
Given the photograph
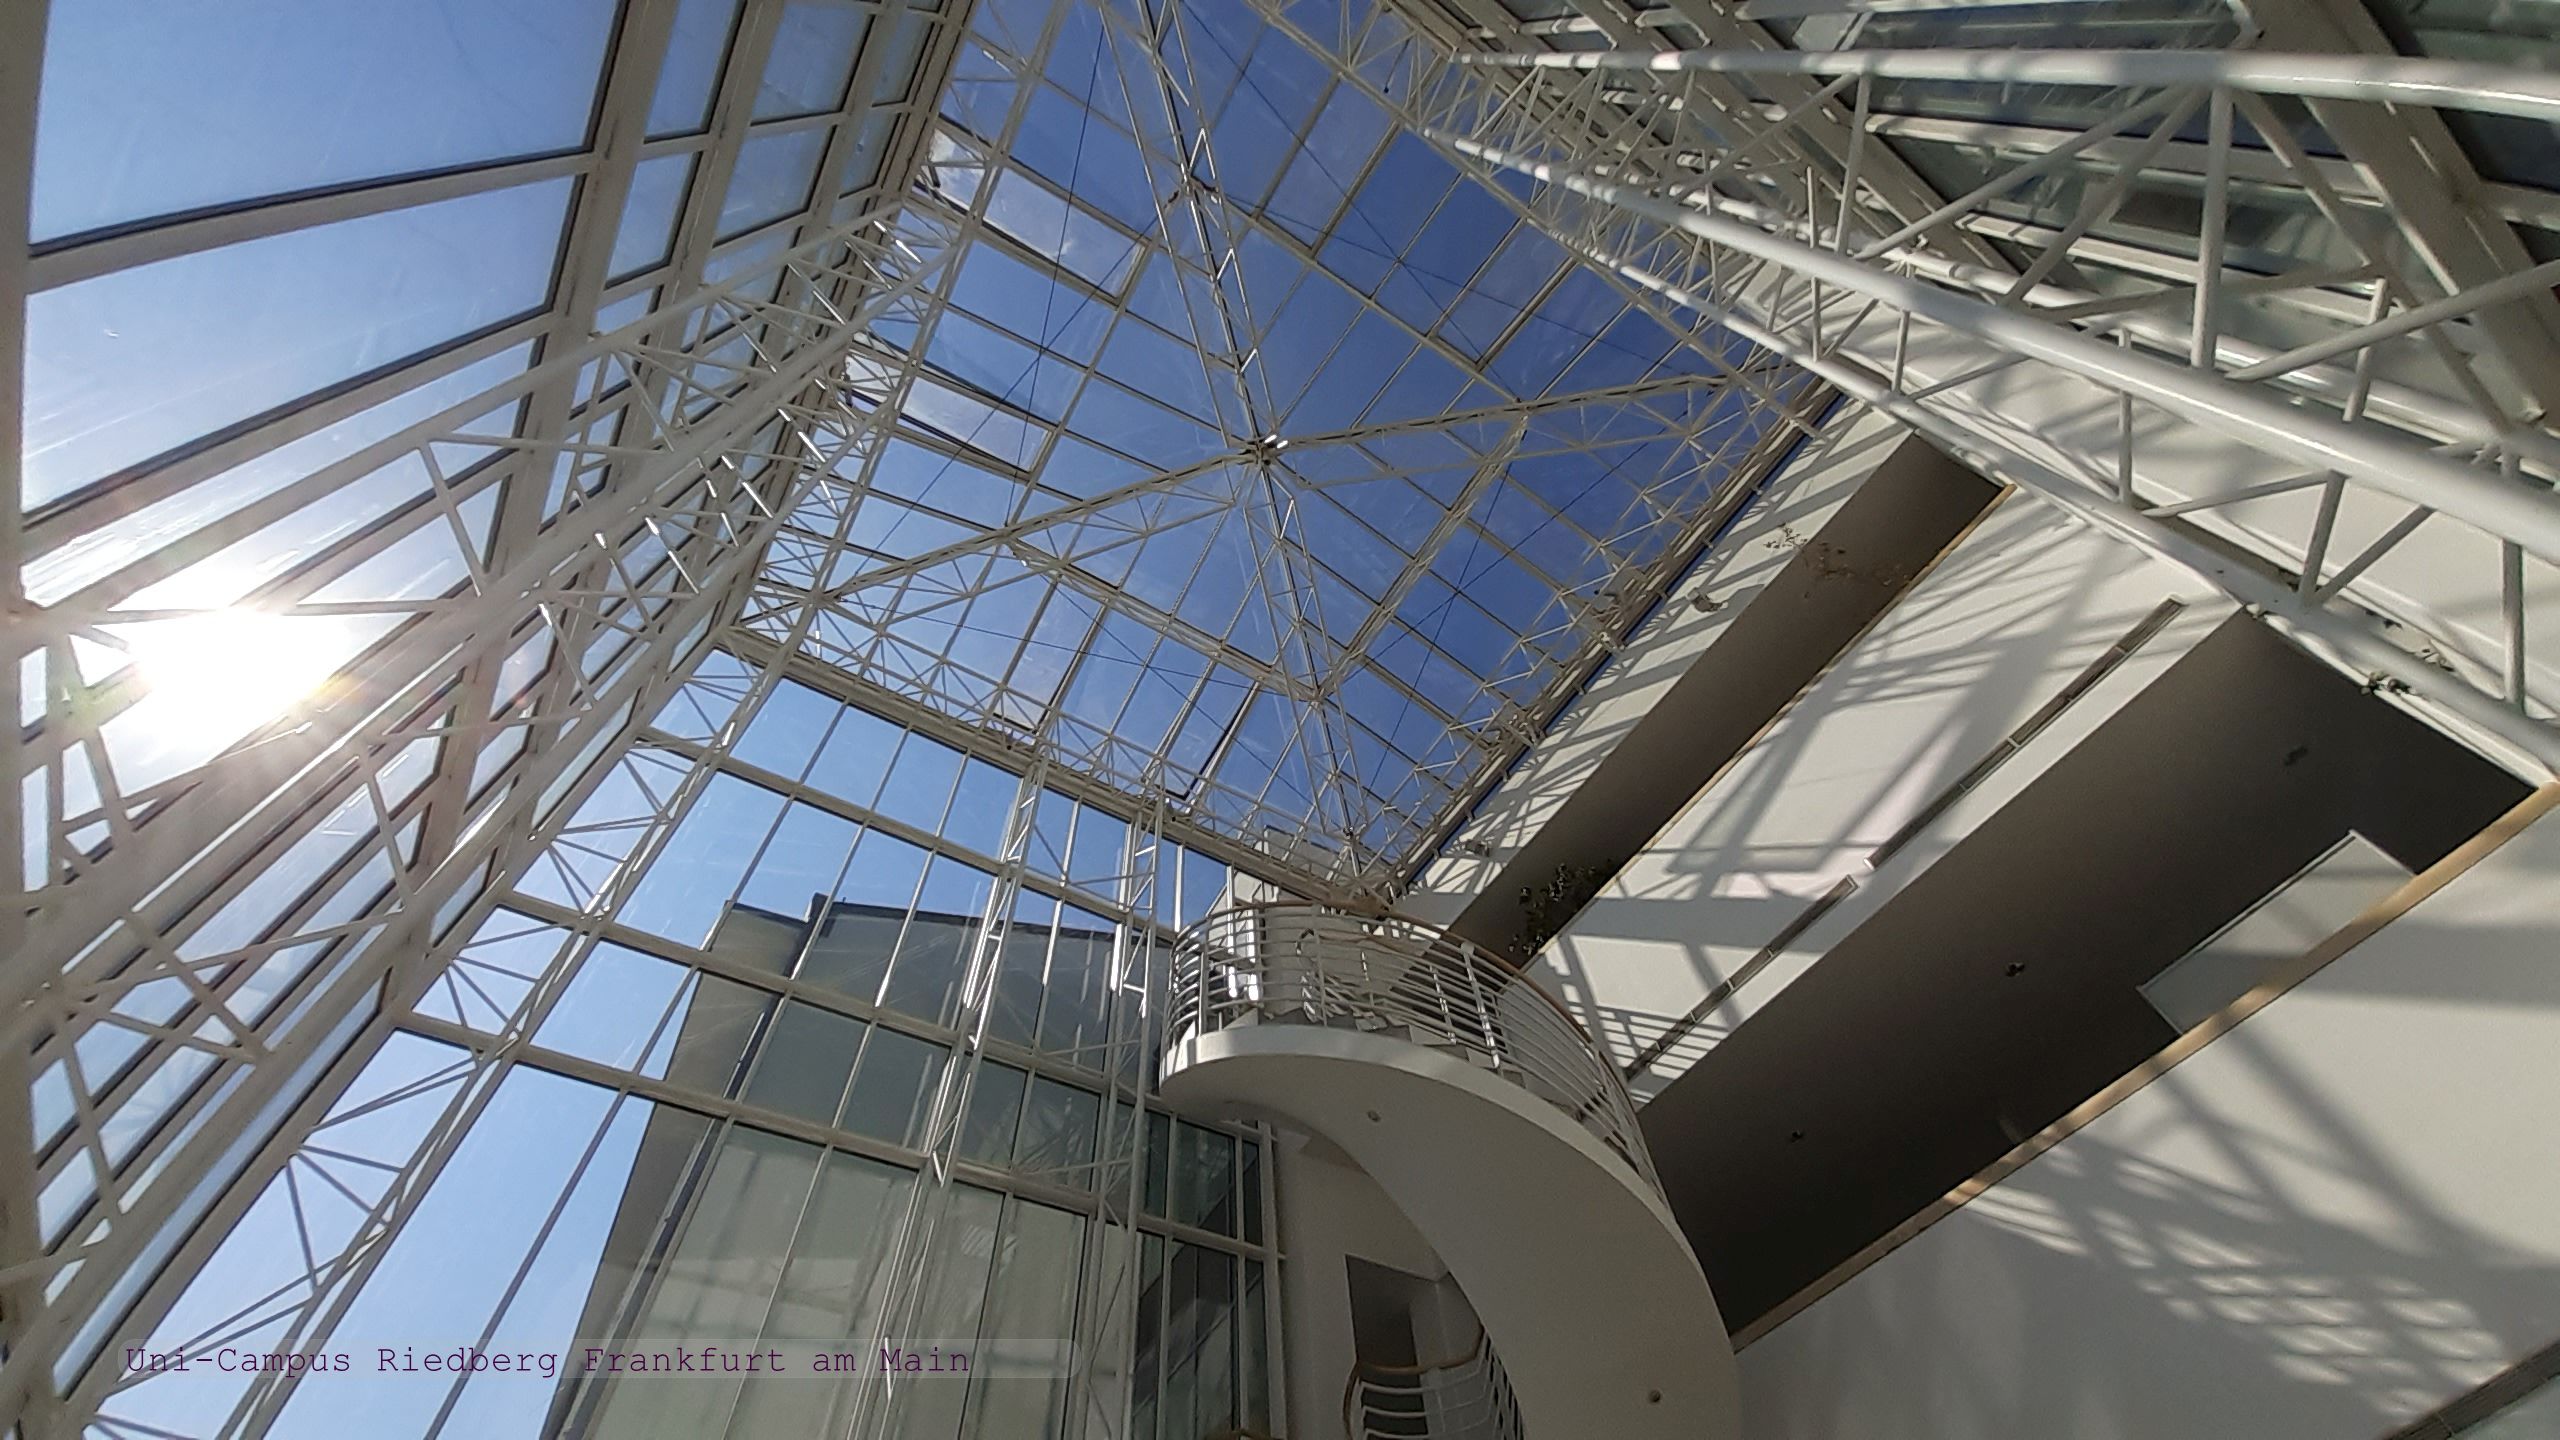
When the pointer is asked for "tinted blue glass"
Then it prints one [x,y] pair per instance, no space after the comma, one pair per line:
[649,216]
[812,59]
[772,179]
[125,366]
[691,71]
[155,106]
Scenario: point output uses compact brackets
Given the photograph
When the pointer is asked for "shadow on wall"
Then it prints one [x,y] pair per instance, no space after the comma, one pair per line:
[2306,1232]
[2005,620]
[1734,569]
[2000,987]
[1831,584]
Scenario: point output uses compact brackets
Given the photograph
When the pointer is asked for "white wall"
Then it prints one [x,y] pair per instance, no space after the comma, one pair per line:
[2332,1220]
[1329,1211]
[2008,617]
[1816,480]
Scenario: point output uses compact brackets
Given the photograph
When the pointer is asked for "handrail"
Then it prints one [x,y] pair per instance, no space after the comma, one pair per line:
[1292,963]
[1382,916]
[1467,1398]
[1427,1366]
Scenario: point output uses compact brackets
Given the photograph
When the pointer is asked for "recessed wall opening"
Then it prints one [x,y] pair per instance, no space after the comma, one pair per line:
[2004,986]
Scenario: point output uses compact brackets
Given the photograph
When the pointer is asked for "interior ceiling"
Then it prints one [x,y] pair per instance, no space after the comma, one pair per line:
[1252,455]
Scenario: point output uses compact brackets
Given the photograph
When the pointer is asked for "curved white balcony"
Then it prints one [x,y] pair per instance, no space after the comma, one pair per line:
[1483,1110]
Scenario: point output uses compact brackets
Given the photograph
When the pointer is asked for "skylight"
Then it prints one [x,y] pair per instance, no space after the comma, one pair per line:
[1250,452]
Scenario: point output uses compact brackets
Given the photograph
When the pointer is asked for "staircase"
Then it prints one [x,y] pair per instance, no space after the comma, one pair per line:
[1483,1110]
[1465,1399]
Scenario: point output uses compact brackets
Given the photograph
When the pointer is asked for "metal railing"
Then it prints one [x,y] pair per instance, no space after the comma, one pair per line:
[1300,964]
[1464,1399]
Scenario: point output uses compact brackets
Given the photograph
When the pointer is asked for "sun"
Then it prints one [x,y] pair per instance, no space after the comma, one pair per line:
[226,672]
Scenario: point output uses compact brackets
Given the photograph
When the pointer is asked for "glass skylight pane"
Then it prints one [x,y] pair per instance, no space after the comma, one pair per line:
[870,154]
[649,216]
[133,363]
[1124,636]
[59,572]
[691,70]
[149,108]
[772,179]
[812,60]
[897,80]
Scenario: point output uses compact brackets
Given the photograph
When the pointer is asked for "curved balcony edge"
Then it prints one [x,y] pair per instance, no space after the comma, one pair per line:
[1301,964]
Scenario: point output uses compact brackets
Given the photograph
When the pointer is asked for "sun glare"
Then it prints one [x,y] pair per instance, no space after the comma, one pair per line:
[230,671]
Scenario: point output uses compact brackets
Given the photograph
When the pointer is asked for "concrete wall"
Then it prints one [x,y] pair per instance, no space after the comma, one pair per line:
[1999,989]
[1330,1211]
[2007,619]
[2319,1226]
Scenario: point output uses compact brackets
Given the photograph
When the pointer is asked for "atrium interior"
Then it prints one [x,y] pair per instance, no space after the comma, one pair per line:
[1280,719]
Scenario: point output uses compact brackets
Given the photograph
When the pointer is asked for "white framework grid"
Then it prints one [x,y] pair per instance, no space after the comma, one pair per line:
[2332,392]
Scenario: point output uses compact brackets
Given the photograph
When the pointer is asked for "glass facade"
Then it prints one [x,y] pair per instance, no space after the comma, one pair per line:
[632,622]
[698,1117]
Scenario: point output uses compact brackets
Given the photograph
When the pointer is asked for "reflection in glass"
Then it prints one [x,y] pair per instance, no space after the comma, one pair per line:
[135,362]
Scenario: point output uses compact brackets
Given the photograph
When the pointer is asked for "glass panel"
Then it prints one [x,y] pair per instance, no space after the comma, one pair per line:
[934,952]
[455,1262]
[832,1289]
[1076,1022]
[920,783]
[149,108]
[1013,1010]
[691,70]
[1032,1299]
[856,757]
[1204,1179]
[951,1311]
[796,876]
[1251,1154]
[1253,1352]
[1057,1132]
[805,1061]
[995,1105]
[648,229]
[894,1086]
[982,807]
[125,366]
[1146,1369]
[709,1045]
[772,179]
[690,884]
[812,60]
[94,556]
[719,1279]
[1159,1155]
[786,730]
[614,1008]
[860,933]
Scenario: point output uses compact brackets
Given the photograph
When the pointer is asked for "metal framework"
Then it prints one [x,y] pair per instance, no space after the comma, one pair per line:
[1291,963]
[1330,717]
[2351,437]
[1021,418]
[209,924]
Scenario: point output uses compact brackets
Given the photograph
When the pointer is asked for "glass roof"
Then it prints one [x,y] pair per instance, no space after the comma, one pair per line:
[1252,454]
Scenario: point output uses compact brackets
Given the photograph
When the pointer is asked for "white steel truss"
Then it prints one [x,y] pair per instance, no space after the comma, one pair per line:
[2378,481]
[209,924]
[628,583]
[2351,430]
[1315,717]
